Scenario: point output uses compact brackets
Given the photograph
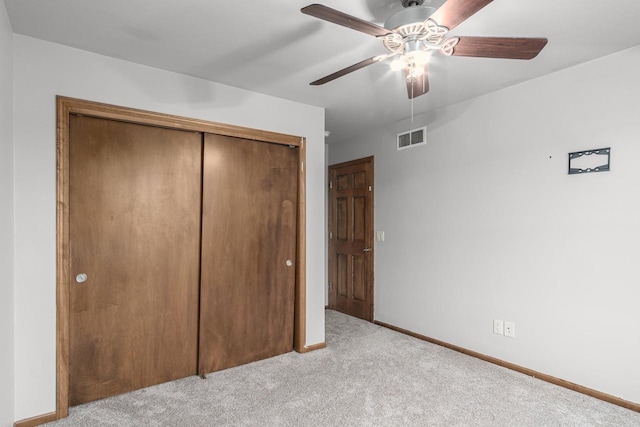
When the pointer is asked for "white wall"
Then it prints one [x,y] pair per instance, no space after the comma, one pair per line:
[6,220]
[484,222]
[44,70]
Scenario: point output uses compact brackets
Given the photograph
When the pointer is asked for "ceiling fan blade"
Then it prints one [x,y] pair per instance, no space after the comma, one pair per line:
[499,47]
[347,70]
[417,86]
[327,14]
[453,12]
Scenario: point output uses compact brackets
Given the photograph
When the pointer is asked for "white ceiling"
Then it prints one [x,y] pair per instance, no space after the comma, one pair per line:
[268,46]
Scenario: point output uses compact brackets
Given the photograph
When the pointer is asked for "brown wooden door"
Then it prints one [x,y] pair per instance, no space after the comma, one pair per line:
[351,238]
[134,231]
[248,251]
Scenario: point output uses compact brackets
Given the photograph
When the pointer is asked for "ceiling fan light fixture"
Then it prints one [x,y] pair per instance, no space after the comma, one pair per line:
[398,64]
[416,51]
[415,56]
[414,71]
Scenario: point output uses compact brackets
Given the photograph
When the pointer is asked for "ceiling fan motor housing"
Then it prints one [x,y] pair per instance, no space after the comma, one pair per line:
[409,32]
[409,16]
[414,12]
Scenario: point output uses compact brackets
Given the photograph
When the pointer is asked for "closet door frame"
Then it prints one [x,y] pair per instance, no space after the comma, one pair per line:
[67,106]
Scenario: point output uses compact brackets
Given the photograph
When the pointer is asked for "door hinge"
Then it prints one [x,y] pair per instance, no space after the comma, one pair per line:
[369,188]
[292,146]
[330,235]
[330,184]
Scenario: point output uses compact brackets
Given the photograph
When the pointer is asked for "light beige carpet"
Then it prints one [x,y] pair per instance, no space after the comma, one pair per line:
[367,376]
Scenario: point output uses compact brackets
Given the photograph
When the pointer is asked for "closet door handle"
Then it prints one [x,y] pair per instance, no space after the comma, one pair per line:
[366,250]
[289,263]
[81,278]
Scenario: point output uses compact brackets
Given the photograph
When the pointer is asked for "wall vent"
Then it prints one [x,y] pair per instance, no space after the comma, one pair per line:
[412,138]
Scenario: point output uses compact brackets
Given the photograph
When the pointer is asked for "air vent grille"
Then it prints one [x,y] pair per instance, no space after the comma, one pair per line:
[412,138]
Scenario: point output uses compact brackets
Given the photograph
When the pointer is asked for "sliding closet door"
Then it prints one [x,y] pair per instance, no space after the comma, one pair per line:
[134,241]
[248,251]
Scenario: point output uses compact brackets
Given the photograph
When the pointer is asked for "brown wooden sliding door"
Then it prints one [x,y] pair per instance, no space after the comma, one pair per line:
[248,251]
[134,235]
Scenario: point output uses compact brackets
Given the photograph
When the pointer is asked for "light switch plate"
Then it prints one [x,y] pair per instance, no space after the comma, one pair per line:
[498,327]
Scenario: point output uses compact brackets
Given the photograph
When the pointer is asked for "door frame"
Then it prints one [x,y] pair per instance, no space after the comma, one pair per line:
[332,287]
[67,106]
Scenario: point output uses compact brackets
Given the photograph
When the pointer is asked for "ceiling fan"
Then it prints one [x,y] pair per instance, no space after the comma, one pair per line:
[413,33]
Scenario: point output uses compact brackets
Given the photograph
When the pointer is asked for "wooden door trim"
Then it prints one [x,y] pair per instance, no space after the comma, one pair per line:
[353,162]
[65,107]
[300,298]
[331,221]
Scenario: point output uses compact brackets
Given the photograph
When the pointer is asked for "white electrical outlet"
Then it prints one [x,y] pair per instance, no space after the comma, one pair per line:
[509,329]
[498,327]
[380,236]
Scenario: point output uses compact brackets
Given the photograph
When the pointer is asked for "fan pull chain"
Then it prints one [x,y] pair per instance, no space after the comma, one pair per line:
[412,103]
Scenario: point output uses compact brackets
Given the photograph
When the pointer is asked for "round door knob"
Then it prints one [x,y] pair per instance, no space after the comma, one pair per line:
[289,263]
[81,278]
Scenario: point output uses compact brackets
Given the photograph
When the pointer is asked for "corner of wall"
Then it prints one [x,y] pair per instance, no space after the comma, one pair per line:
[7,318]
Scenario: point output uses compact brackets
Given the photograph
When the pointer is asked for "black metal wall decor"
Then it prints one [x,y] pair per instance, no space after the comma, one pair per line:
[590,161]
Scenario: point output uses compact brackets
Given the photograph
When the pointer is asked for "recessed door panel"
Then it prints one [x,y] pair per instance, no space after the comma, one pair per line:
[360,278]
[343,274]
[342,182]
[359,218]
[359,180]
[342,209]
